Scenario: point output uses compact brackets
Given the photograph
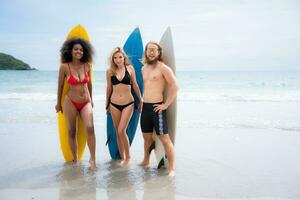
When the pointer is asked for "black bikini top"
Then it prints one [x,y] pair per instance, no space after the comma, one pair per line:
[126,79]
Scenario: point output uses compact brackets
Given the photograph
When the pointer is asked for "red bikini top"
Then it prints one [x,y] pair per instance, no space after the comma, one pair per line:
[74,81]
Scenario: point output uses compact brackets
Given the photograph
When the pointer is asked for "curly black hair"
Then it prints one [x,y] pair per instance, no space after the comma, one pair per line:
[66,50]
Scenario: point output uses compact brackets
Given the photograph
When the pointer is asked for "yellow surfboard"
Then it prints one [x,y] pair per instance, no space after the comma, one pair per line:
[77,32]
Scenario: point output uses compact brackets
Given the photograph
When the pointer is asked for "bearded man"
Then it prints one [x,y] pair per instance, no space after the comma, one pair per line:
[157,77]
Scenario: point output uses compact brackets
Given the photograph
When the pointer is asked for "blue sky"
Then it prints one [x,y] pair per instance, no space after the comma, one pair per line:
[208,34]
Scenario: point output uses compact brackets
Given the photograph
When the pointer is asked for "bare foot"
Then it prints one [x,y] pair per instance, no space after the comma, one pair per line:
[144,163]
[120,162]
[75,162]
[126,162]
[171,173]
[92,164]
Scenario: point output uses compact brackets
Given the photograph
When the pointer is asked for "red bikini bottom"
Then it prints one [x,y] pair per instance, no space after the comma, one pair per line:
[77,105]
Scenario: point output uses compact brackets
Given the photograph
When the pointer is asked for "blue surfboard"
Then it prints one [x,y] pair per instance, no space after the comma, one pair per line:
[134,50]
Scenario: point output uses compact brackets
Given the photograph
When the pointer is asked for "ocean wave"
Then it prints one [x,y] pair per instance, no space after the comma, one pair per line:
[28,96]
[232,125]
[38,97]
[184,95]
[214,97]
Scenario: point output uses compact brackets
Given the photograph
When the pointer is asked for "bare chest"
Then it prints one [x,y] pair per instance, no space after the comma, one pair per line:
[151,76]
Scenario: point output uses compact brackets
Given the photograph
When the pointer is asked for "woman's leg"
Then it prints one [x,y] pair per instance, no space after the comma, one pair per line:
[86,114]
[71,113]
[116,115]
[124,120]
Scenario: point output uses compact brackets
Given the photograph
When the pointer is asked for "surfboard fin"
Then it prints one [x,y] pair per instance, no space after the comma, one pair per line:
[161,163]
[152,147]
[107,140]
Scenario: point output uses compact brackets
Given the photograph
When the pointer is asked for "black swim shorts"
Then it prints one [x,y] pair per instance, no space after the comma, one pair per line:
[151,119]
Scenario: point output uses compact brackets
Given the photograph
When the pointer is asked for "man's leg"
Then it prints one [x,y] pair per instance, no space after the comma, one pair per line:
[147,143]
[169,148]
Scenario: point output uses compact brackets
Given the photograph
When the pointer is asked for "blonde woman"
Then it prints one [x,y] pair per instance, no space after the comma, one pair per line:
[120,78]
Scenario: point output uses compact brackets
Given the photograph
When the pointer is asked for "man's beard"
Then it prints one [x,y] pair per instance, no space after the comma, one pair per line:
[152,62]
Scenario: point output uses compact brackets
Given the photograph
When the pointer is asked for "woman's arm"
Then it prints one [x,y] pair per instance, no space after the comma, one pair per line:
[61,77]
[108,89]
[90,84]
[136,87]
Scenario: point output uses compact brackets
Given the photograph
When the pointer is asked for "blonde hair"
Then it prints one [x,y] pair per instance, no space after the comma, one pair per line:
[112,64]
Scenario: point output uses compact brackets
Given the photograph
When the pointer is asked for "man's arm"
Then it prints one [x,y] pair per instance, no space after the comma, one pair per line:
[172,86]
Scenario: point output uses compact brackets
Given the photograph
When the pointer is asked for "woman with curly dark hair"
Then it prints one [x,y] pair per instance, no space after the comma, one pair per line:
[76,59]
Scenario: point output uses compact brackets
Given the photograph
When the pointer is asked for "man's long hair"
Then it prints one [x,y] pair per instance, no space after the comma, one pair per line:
[159,58]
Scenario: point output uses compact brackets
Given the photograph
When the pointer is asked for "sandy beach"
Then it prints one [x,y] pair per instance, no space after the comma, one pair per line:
[224,150]
[238,116]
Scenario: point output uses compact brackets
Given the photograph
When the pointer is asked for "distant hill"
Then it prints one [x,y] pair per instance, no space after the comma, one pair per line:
[8,62]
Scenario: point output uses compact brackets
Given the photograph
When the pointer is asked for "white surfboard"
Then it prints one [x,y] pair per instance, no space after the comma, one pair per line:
[166,42]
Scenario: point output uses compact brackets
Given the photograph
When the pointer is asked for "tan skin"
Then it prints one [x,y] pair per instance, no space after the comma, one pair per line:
[121,95]
[79,93]
[158,77]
